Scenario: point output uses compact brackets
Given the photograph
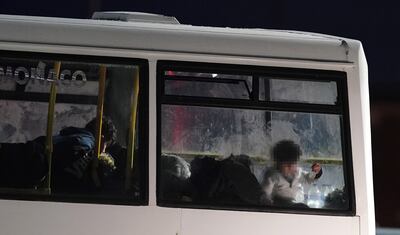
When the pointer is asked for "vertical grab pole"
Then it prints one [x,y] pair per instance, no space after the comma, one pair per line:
[100,106]
[132,131]
[50,121]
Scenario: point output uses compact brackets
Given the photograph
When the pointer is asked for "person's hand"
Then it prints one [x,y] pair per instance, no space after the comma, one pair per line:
[316,167]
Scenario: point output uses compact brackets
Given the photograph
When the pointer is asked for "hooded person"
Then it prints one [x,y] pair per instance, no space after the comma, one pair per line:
[283,186]
[74,155]
[25,165]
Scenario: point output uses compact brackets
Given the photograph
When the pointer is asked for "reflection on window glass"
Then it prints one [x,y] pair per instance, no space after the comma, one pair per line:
[208,85]
[23,164]
[112,168]
[17,116]
[66,115]
[37,76]
[232,157]
[79,163]
[298,91]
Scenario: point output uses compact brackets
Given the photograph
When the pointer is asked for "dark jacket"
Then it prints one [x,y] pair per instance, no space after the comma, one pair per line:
[72,155]
[227,182]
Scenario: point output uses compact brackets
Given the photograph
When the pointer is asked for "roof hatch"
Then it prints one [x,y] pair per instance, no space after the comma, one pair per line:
[134,17]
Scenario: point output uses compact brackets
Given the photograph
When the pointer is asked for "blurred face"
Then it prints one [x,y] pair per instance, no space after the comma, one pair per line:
[288,169]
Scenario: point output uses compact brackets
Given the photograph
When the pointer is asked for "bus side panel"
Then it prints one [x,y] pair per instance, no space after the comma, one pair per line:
[226,222]
[361,141]
[38,218]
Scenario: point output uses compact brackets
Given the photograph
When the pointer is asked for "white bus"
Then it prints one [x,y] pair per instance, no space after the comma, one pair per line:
[148,126]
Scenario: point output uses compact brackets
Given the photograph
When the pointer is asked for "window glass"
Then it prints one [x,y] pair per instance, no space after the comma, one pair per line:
[225,157]
[81,161]
[208,85]
[282,146]
[298,91]
[113,163]
[37,76]
[23,164]
[16,116]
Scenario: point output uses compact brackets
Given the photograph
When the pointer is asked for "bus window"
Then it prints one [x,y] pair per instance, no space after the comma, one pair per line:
[78,127]
[311,92]
[280,148]
[207,85]
[22,121]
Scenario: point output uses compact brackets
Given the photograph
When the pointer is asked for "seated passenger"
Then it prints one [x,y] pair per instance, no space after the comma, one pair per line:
[283,185]
[75,165]
[175,171]
[228,182]
[337,199]
[236,184]
[204,171]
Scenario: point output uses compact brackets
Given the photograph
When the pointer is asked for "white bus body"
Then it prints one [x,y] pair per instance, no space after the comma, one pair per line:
[155,42]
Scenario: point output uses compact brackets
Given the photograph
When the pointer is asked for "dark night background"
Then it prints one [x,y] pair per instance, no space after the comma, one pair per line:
[375,25]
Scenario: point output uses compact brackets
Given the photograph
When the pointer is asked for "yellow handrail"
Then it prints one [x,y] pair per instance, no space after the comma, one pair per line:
[132,131]
[50,121]
[100,106]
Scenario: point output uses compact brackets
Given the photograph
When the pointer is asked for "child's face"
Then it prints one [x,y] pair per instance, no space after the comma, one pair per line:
[288,169]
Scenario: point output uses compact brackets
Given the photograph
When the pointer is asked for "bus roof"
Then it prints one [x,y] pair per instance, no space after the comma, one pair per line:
[175,38]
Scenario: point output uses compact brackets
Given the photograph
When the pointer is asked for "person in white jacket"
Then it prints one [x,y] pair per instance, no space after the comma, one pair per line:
[283,186]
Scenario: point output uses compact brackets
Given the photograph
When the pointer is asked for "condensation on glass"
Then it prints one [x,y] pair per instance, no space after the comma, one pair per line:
[74,170]
[213,85]
[298,91]
[223,157]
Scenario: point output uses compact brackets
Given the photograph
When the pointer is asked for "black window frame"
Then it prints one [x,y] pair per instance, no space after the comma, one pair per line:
[143,117]
[341,108]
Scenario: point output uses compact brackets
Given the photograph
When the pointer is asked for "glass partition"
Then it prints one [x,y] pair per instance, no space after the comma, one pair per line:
[208,85]
[73,132]
[272,152]
[298,91]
